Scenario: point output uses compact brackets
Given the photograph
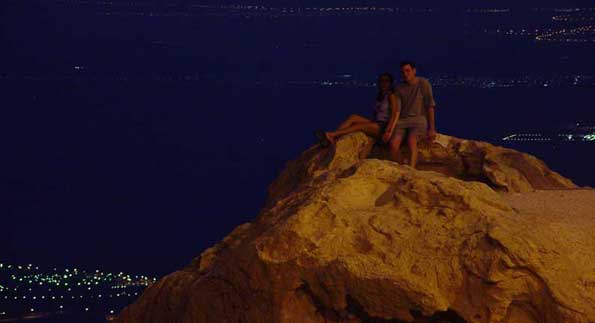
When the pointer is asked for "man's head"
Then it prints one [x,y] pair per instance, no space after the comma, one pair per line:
[408,71]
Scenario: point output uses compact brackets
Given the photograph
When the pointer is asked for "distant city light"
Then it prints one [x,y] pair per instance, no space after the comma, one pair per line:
[579,132]
[27,289]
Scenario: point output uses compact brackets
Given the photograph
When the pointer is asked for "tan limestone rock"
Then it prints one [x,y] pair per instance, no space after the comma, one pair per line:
[344,238]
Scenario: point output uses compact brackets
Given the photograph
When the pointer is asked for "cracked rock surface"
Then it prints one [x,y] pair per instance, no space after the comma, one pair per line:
[346,238]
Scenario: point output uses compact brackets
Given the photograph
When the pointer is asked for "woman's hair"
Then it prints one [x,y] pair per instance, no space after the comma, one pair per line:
[381,94]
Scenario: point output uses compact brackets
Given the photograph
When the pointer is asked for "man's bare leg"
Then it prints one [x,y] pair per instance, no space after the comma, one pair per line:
[370,128]
[395,147]
[412,141]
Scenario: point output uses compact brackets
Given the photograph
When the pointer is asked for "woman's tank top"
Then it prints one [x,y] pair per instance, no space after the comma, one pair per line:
[382,109]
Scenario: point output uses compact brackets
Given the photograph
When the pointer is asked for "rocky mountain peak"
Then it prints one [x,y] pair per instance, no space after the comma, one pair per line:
[478,234]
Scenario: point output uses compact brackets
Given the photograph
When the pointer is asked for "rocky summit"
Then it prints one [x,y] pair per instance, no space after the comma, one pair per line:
[478,234]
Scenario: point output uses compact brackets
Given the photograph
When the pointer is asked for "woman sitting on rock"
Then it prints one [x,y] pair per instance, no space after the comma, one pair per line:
[383,121]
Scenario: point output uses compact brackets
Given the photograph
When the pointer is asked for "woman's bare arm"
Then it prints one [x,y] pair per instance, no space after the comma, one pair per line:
[395,113]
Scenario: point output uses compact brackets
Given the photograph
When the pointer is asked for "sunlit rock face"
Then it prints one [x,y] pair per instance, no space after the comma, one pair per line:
[501,168]
[344,237]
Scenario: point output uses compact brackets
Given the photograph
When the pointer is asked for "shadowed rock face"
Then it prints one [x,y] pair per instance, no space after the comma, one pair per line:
[345,238]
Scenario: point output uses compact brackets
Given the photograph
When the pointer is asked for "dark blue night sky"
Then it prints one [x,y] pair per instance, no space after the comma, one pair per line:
[138,133]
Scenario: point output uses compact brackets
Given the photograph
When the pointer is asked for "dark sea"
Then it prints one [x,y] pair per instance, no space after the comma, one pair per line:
[130,169]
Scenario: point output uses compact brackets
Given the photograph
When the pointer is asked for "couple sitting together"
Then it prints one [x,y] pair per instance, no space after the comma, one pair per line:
[405,110]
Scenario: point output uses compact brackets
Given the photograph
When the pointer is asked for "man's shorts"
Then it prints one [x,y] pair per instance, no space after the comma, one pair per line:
[412,126]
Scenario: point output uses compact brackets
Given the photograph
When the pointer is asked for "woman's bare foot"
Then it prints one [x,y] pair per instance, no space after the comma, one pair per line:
[330,137]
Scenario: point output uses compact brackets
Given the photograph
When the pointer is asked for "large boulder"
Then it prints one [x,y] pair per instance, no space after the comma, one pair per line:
[345,238]
[501,168]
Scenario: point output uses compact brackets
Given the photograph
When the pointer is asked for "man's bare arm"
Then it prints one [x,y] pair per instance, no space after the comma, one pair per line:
[430,105]
[431,118]
[431,123]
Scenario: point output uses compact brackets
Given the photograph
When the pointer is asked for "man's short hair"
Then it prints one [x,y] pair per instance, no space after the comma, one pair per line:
[410,63]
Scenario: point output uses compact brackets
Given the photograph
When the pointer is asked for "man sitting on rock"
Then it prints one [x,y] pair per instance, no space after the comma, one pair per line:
[416,100]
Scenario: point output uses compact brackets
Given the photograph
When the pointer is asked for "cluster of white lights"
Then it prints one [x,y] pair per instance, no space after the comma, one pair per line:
[573,18]
[467,82]
[580,34]
[527,137]
[26,288]
[540,137]
[489,10]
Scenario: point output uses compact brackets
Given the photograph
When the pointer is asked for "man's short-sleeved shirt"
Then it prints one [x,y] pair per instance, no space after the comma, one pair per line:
[415,98]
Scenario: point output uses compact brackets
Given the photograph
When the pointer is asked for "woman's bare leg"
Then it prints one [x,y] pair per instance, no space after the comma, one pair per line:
[353,119]
[370,128]
[350,122]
